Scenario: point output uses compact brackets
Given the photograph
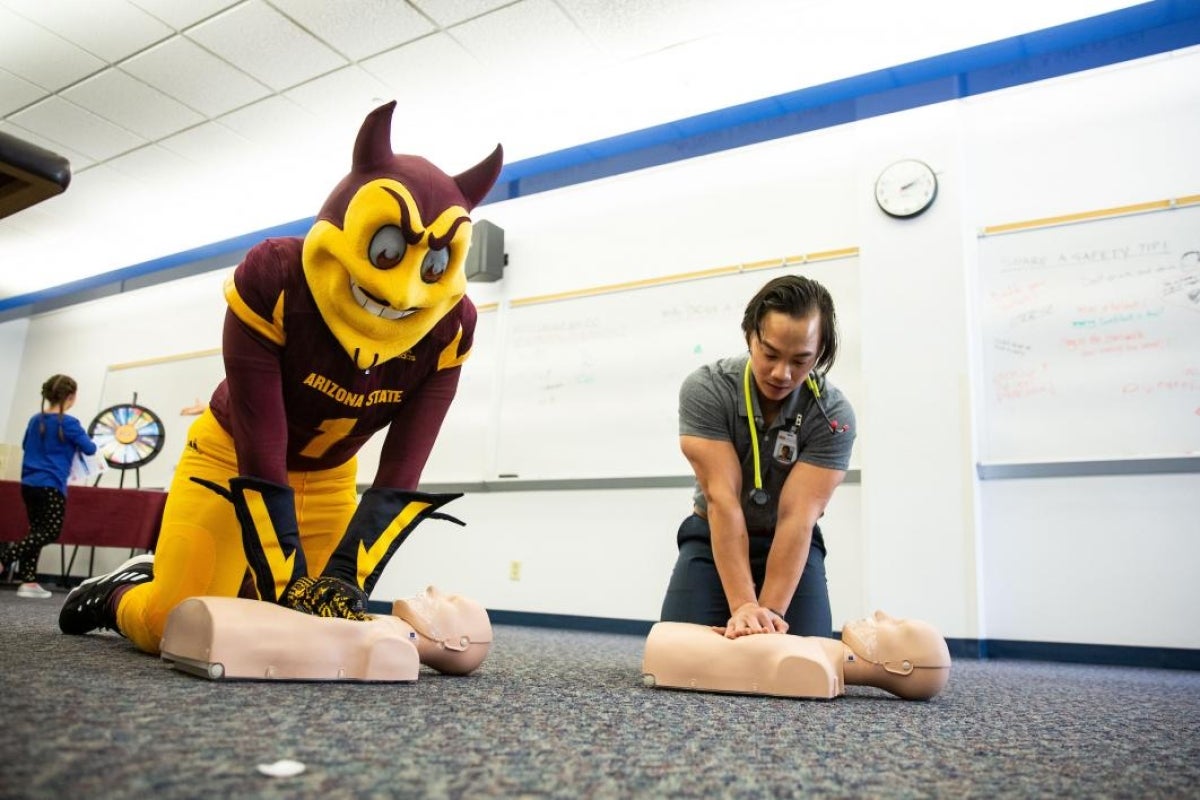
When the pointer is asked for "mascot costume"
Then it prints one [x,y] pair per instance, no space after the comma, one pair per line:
[363,324]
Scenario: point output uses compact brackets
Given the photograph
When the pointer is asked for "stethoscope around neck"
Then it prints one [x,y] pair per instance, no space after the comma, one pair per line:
[759,495]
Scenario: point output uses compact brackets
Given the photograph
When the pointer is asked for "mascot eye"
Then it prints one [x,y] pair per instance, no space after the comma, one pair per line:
[434,265]
[387,247]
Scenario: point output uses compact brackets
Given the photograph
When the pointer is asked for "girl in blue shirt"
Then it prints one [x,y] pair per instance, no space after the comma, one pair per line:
[52,438]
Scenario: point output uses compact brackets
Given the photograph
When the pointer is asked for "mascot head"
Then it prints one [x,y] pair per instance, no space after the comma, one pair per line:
[384,259]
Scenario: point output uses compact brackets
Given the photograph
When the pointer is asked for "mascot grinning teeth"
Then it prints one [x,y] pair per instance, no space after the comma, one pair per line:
[385,258]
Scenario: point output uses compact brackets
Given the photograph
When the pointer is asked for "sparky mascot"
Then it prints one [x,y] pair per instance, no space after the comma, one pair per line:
[362,325]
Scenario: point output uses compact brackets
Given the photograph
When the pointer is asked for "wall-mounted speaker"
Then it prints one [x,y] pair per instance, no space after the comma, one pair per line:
[486,259]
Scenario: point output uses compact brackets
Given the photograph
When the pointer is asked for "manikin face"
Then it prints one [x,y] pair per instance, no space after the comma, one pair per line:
[899,644]
[453,621]
[783,353]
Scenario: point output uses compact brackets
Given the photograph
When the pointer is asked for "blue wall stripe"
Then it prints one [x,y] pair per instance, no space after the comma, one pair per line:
[1136,32]
[216,249]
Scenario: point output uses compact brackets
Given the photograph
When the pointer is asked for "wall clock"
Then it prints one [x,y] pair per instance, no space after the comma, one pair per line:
[906,188]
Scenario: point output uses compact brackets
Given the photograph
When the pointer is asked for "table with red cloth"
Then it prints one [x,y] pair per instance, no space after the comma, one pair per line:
[96,517]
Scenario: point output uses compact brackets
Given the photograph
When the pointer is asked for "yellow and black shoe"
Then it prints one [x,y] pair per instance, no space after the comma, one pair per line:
[327,597]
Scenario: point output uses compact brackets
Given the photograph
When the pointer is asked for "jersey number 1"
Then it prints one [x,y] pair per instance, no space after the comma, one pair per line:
[331,431]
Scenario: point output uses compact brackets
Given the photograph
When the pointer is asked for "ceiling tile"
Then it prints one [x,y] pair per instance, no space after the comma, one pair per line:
[183,69]
[259,40]
[424,73]
[369,27]
[132,104]
[632,27]
[17,230]
[119,184]
[452,12]
[16,92]
[33,53]
[208,143]
[286,146]
[150,165]
[528,39]
[74,127]
[18,237]
[181,14]
[110,29]
[269,120]
[348,93]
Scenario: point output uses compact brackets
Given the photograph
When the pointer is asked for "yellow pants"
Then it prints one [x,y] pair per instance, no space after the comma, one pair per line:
[199,550]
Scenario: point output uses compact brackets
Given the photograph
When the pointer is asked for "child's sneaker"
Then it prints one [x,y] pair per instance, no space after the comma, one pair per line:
[32,591]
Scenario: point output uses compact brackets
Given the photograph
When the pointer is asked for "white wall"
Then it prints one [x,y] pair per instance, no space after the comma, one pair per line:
[1104,560]
[12,346]
[1098,560]
[84,340]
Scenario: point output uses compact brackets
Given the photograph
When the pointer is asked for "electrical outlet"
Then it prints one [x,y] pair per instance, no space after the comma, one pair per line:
[514,570]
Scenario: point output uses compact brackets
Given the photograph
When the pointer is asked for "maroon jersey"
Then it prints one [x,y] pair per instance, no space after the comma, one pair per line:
[293,399]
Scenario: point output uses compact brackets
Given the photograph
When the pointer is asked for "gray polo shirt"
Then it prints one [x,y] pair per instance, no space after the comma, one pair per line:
[712,405]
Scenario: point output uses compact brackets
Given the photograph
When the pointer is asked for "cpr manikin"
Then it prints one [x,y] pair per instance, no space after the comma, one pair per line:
[906,657]
[237,638]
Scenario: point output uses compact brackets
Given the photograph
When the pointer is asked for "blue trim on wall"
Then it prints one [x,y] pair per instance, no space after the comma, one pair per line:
[1136,32]
[215,250]
[1099,654]
[570,622]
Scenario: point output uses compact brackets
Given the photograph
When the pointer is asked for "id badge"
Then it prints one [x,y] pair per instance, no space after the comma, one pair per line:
[785,447]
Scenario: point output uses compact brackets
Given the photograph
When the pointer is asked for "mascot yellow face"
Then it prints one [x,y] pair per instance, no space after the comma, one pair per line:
[384,260]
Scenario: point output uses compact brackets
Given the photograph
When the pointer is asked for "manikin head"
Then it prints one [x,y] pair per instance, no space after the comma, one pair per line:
[454,631]
[906,657]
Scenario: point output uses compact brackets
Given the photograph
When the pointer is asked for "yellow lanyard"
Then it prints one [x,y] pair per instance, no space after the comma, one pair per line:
[759,496]
[753,429]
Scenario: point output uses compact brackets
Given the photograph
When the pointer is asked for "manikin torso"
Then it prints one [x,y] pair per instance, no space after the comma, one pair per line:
[237,638]
[908,658]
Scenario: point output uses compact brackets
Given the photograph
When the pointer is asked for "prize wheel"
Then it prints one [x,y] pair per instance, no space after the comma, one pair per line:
[129,436]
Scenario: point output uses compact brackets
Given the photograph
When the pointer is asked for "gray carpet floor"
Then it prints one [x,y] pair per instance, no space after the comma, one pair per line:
[564,714]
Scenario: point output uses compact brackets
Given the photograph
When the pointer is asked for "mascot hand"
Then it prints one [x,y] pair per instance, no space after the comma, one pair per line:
[383,520]
[270,535]
[327,596]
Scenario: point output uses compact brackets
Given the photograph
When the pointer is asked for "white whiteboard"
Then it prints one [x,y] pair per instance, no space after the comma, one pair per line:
[590,385]
[1091,340]
[166,387]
